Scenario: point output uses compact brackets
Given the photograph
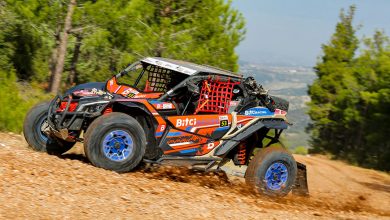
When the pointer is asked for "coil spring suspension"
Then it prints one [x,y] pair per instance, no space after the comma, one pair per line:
[107,110]
[240,158]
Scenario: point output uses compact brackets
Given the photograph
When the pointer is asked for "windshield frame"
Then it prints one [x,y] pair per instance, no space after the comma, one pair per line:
[130,67]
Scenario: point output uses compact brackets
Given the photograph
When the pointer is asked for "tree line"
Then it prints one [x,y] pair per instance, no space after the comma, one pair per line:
[49,45]
[350,99]
[58,43]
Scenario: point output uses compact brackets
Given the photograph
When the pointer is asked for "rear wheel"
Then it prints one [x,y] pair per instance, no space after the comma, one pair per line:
[272,171]
[115,142]
[34,124]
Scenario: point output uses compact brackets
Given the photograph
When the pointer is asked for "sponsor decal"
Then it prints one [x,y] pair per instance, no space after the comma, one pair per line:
[258,111]
[188,150]
[184,139]
[233,103]
[223,117]
[206,148]
[98,91]
[129,91]
[170,66]
[280,112]
[185,122]
[210,121]
[102,93]
[83,93]
[210,145]
[165,106]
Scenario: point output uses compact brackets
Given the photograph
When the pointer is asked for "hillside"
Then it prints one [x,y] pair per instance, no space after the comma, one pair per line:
[290,83]
[38,186]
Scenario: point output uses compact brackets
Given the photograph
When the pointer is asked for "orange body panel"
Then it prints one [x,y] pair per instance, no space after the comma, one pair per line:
[128,91]
[196,134]
[242,120]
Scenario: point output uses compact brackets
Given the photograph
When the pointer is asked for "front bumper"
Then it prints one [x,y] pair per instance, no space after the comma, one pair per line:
[65,124]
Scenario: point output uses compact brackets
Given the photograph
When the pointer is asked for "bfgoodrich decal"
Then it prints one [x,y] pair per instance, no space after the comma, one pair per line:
[258,111]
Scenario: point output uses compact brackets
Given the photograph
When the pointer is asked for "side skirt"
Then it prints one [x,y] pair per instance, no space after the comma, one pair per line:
[205,162]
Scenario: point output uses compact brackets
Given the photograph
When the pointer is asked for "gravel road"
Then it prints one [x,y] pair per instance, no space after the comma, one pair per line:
[38,186]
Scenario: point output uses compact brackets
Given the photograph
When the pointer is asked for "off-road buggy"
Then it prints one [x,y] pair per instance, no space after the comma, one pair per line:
[160,111]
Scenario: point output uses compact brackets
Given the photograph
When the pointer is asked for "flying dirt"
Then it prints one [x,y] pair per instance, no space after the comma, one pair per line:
[36,185]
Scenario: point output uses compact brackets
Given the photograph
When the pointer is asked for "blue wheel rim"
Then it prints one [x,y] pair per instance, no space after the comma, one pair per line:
[42,123]
[117,145]
[276,176]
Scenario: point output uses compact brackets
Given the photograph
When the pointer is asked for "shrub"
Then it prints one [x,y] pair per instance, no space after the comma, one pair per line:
[300,150]
[15,101]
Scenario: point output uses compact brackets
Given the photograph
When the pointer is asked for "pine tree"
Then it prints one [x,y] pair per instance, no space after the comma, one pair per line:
[199,31]
[351,98]
[204,32]
[333,84]
[373,74]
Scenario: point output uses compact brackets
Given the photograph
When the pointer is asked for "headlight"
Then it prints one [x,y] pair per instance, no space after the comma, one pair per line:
[92,106]
[72,106]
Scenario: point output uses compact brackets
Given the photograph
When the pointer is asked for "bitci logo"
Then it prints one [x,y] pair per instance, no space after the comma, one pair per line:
[185,122]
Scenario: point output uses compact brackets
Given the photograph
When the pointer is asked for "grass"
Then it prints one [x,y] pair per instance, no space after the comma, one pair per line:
[301,150]
[15,101]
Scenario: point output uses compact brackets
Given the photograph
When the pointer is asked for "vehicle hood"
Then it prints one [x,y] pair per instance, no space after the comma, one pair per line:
[87,86]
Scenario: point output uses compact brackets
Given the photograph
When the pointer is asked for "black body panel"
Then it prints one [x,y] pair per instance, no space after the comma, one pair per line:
[91,85]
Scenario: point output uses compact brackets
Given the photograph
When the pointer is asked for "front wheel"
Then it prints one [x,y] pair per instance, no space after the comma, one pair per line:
[115,142]
[272,171]
[34,124]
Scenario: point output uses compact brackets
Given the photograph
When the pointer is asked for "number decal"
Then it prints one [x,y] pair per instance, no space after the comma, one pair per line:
[224,123]
[131,95]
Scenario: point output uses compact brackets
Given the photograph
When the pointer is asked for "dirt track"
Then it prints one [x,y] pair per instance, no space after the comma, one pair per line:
[35,185]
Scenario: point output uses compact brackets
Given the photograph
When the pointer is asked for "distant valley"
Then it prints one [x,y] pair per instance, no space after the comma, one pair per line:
[290,83]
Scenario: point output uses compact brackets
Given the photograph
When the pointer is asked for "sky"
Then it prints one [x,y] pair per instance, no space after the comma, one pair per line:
[291,32]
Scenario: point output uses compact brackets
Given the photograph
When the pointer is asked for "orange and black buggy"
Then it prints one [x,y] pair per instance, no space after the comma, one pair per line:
[160,111]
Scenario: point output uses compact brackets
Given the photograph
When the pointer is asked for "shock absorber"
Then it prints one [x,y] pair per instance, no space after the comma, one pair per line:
[240,157]
[107,110]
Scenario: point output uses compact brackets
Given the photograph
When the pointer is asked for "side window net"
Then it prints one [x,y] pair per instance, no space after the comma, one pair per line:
[158,79]
[215,96]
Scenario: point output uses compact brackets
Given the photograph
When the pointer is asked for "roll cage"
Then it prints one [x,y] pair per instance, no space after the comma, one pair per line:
[167,79]
[165,75]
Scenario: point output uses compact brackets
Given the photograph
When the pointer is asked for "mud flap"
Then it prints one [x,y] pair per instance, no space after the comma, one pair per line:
[300,187]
